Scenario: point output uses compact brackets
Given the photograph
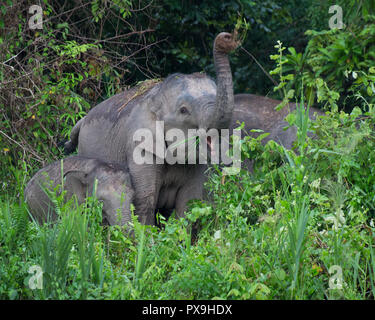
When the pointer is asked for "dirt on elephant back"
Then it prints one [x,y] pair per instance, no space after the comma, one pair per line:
[138,90]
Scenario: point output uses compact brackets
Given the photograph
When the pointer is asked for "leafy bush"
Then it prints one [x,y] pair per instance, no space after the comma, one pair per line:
[337,66]
[50,78]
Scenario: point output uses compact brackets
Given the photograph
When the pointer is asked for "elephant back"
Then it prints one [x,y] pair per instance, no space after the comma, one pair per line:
[121,104]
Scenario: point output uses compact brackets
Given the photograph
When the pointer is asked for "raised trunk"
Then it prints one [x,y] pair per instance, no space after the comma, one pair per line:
[224,43]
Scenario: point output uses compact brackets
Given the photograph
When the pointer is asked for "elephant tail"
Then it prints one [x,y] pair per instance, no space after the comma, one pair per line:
[72,144]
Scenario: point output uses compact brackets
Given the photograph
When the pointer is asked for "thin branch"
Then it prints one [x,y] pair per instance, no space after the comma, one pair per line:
[22,147]
[260,66]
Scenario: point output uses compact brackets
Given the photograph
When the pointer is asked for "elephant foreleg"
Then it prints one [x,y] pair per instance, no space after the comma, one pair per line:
[146,181]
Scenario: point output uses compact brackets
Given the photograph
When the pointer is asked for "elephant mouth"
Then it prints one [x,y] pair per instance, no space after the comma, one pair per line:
[211,145]
[209,142]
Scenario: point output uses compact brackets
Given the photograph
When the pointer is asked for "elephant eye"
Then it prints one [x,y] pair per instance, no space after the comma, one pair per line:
[184,110]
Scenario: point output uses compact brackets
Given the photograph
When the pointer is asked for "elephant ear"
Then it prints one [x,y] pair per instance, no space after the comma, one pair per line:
[76,184]
[156,103]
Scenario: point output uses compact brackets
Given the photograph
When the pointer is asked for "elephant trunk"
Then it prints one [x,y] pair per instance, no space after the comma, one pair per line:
[223,45]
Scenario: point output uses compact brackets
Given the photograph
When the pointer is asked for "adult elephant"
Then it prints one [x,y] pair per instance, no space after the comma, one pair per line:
[181,102]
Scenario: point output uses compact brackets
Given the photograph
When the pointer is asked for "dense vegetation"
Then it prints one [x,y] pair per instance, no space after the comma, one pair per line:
[300,227]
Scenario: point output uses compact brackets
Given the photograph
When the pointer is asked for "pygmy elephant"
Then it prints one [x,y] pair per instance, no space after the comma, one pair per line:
[113,188]
[184,102]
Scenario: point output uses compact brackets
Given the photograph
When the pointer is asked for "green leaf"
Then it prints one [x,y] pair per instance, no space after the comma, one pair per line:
[370,91]
[280,274]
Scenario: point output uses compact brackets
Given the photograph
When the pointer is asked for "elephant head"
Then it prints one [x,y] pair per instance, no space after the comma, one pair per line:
[112,187]
[194,101]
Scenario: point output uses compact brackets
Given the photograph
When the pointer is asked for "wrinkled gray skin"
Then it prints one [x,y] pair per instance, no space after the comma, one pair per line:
[181,101]
[114,188]
[258,112]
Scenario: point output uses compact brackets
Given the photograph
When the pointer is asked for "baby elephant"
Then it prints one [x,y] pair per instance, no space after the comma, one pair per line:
[114,188]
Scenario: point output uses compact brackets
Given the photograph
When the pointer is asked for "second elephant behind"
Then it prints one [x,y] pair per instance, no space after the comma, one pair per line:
[258,112]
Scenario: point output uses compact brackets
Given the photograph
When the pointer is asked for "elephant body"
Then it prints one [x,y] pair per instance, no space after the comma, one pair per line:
[107,134]
[182,102]
[114,188]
